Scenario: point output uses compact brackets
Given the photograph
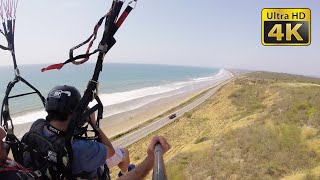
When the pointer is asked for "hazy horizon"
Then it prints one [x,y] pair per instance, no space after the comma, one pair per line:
[230,69]
[184,33]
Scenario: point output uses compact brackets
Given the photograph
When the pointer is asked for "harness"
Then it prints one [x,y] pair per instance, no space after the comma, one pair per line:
[52,156]
[46,154]
[112,24]
[8,17]
[13,170]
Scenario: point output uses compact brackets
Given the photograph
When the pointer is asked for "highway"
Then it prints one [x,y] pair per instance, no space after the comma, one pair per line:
[135,136]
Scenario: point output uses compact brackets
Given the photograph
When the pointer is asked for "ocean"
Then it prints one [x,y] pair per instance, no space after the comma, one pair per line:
[122,87]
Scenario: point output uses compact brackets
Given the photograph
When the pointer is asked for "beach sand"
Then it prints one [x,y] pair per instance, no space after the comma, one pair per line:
[119,123]
[122,122]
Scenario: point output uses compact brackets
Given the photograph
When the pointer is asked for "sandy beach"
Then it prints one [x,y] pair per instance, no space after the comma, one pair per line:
[122,122]
[119,123]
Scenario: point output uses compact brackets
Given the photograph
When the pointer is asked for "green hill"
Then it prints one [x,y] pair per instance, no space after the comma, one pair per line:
[259,126]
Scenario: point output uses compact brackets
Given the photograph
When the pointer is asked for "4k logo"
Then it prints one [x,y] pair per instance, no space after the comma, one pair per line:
[286,27]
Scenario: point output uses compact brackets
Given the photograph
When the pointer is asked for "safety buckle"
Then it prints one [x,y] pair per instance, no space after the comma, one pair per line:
[10,127]
[30,175]
[133,5]
[97,88]
[103,48]
[52,156]
[38,173]
[17,72]
[96,92]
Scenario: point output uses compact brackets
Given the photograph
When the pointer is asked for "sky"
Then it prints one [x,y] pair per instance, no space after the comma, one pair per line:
[206,33]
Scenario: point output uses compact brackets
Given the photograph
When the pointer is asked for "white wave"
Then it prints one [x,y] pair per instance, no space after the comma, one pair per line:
[29,117]
[221,73]
[134,104]
[116,98]
[120,102]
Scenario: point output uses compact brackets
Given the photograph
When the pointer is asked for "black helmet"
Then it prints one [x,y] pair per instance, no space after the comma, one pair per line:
[62,99]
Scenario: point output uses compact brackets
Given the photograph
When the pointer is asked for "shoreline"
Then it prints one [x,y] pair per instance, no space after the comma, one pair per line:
[118,124]
[229,127]
[128,121]
[124,122]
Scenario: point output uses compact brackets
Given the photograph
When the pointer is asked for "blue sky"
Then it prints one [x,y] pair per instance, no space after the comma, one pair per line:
[198,33]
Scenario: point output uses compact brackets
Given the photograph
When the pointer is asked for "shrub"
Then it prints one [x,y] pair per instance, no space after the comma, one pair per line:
[189,114]
[200,139]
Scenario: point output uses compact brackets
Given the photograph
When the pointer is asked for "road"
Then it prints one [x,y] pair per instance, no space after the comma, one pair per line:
[135,136]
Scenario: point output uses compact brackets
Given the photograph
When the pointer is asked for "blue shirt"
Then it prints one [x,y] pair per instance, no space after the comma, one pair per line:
[88,155]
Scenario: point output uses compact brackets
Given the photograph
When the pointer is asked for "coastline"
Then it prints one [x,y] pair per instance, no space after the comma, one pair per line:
[123,122]
[119,123]
[253,120]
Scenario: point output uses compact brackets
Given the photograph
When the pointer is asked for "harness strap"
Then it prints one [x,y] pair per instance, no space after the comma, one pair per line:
[13,166]
[113,29]
[52,161]
[4,48]
[79,132]
[16,174]
[15,146]
[5,111]
[55,130]
[5,28]
[125,13]
[110,28]
[87,97]
[8,16]
[94,35]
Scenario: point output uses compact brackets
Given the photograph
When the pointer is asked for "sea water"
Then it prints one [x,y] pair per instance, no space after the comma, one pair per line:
[122,87]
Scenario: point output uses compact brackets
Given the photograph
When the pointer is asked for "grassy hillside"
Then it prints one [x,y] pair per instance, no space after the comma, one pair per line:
[262,125]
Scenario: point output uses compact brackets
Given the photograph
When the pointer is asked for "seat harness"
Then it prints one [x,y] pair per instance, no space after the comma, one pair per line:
[111,25]
[8,17]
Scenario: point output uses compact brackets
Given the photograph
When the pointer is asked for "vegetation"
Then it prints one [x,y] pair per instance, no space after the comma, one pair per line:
[260,126]
[184,104]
